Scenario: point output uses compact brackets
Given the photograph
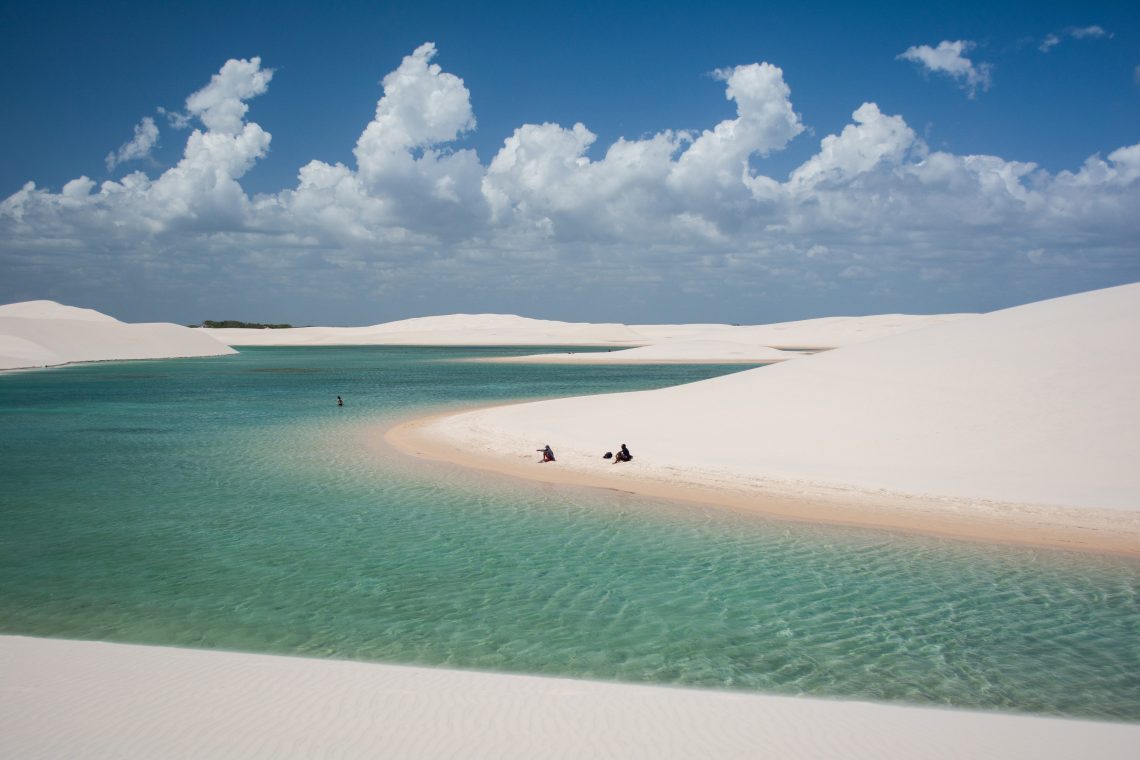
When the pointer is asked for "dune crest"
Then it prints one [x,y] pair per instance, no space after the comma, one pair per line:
[43,309]
[691,343]
[47,334]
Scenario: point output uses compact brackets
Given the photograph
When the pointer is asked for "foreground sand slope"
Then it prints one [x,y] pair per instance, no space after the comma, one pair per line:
[45,333]
[89,699]
[1038,404]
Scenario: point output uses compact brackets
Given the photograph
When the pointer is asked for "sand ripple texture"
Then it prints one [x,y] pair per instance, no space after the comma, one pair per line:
[175,703]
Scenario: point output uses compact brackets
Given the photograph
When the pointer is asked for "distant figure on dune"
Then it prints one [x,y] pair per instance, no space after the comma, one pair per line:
[339,401]
[623,455]
[547,454]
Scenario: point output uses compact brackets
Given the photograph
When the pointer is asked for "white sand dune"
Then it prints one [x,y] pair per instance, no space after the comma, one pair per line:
[676,351]
[45,334]
[52,310]
[1038,404]
[696,343]
[446,330]
[747,344]
[755,343]
[820,333]
[96,700]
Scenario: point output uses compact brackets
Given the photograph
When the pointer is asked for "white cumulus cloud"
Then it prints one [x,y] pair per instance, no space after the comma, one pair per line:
[717,160]
[200,192]
[686,213]
[408,179]
[668,186]
[1087,32]
[1054,39]
[948,59]
[873,140]
[220,105]
[139,146]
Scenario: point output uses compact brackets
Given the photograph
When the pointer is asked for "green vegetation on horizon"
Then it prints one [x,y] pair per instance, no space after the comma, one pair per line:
[236,323]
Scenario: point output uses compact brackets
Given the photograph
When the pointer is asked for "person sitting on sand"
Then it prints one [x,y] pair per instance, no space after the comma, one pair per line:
[547,454]
[623,455]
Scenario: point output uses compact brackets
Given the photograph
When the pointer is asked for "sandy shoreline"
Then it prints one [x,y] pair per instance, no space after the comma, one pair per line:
[588,359]
[1016,426]
[1096,531]
[62,698]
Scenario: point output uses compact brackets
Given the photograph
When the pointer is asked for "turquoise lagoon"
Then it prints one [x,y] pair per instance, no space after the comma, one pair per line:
[228,503]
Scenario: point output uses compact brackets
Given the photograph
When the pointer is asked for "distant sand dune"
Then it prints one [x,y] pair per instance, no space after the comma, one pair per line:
[678,351]
[45,333]
[688,344]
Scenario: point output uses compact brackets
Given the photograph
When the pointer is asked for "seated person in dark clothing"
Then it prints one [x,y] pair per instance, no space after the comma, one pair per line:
[623,455]
[547,454]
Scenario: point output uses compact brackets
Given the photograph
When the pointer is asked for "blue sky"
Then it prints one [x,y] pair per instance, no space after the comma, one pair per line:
[961,185]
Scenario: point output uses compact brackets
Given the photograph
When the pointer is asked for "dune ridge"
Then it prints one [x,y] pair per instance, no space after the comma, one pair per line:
[47,334]
[693,343]
[676,351]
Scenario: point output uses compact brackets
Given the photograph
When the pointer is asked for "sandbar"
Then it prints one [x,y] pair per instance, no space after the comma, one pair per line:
[1095,531]
[1016,426]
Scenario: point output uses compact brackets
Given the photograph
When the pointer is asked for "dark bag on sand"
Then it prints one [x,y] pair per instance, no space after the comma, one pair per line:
[608,455]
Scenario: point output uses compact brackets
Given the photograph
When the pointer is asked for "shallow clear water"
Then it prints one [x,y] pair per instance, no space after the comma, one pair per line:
[228,503]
